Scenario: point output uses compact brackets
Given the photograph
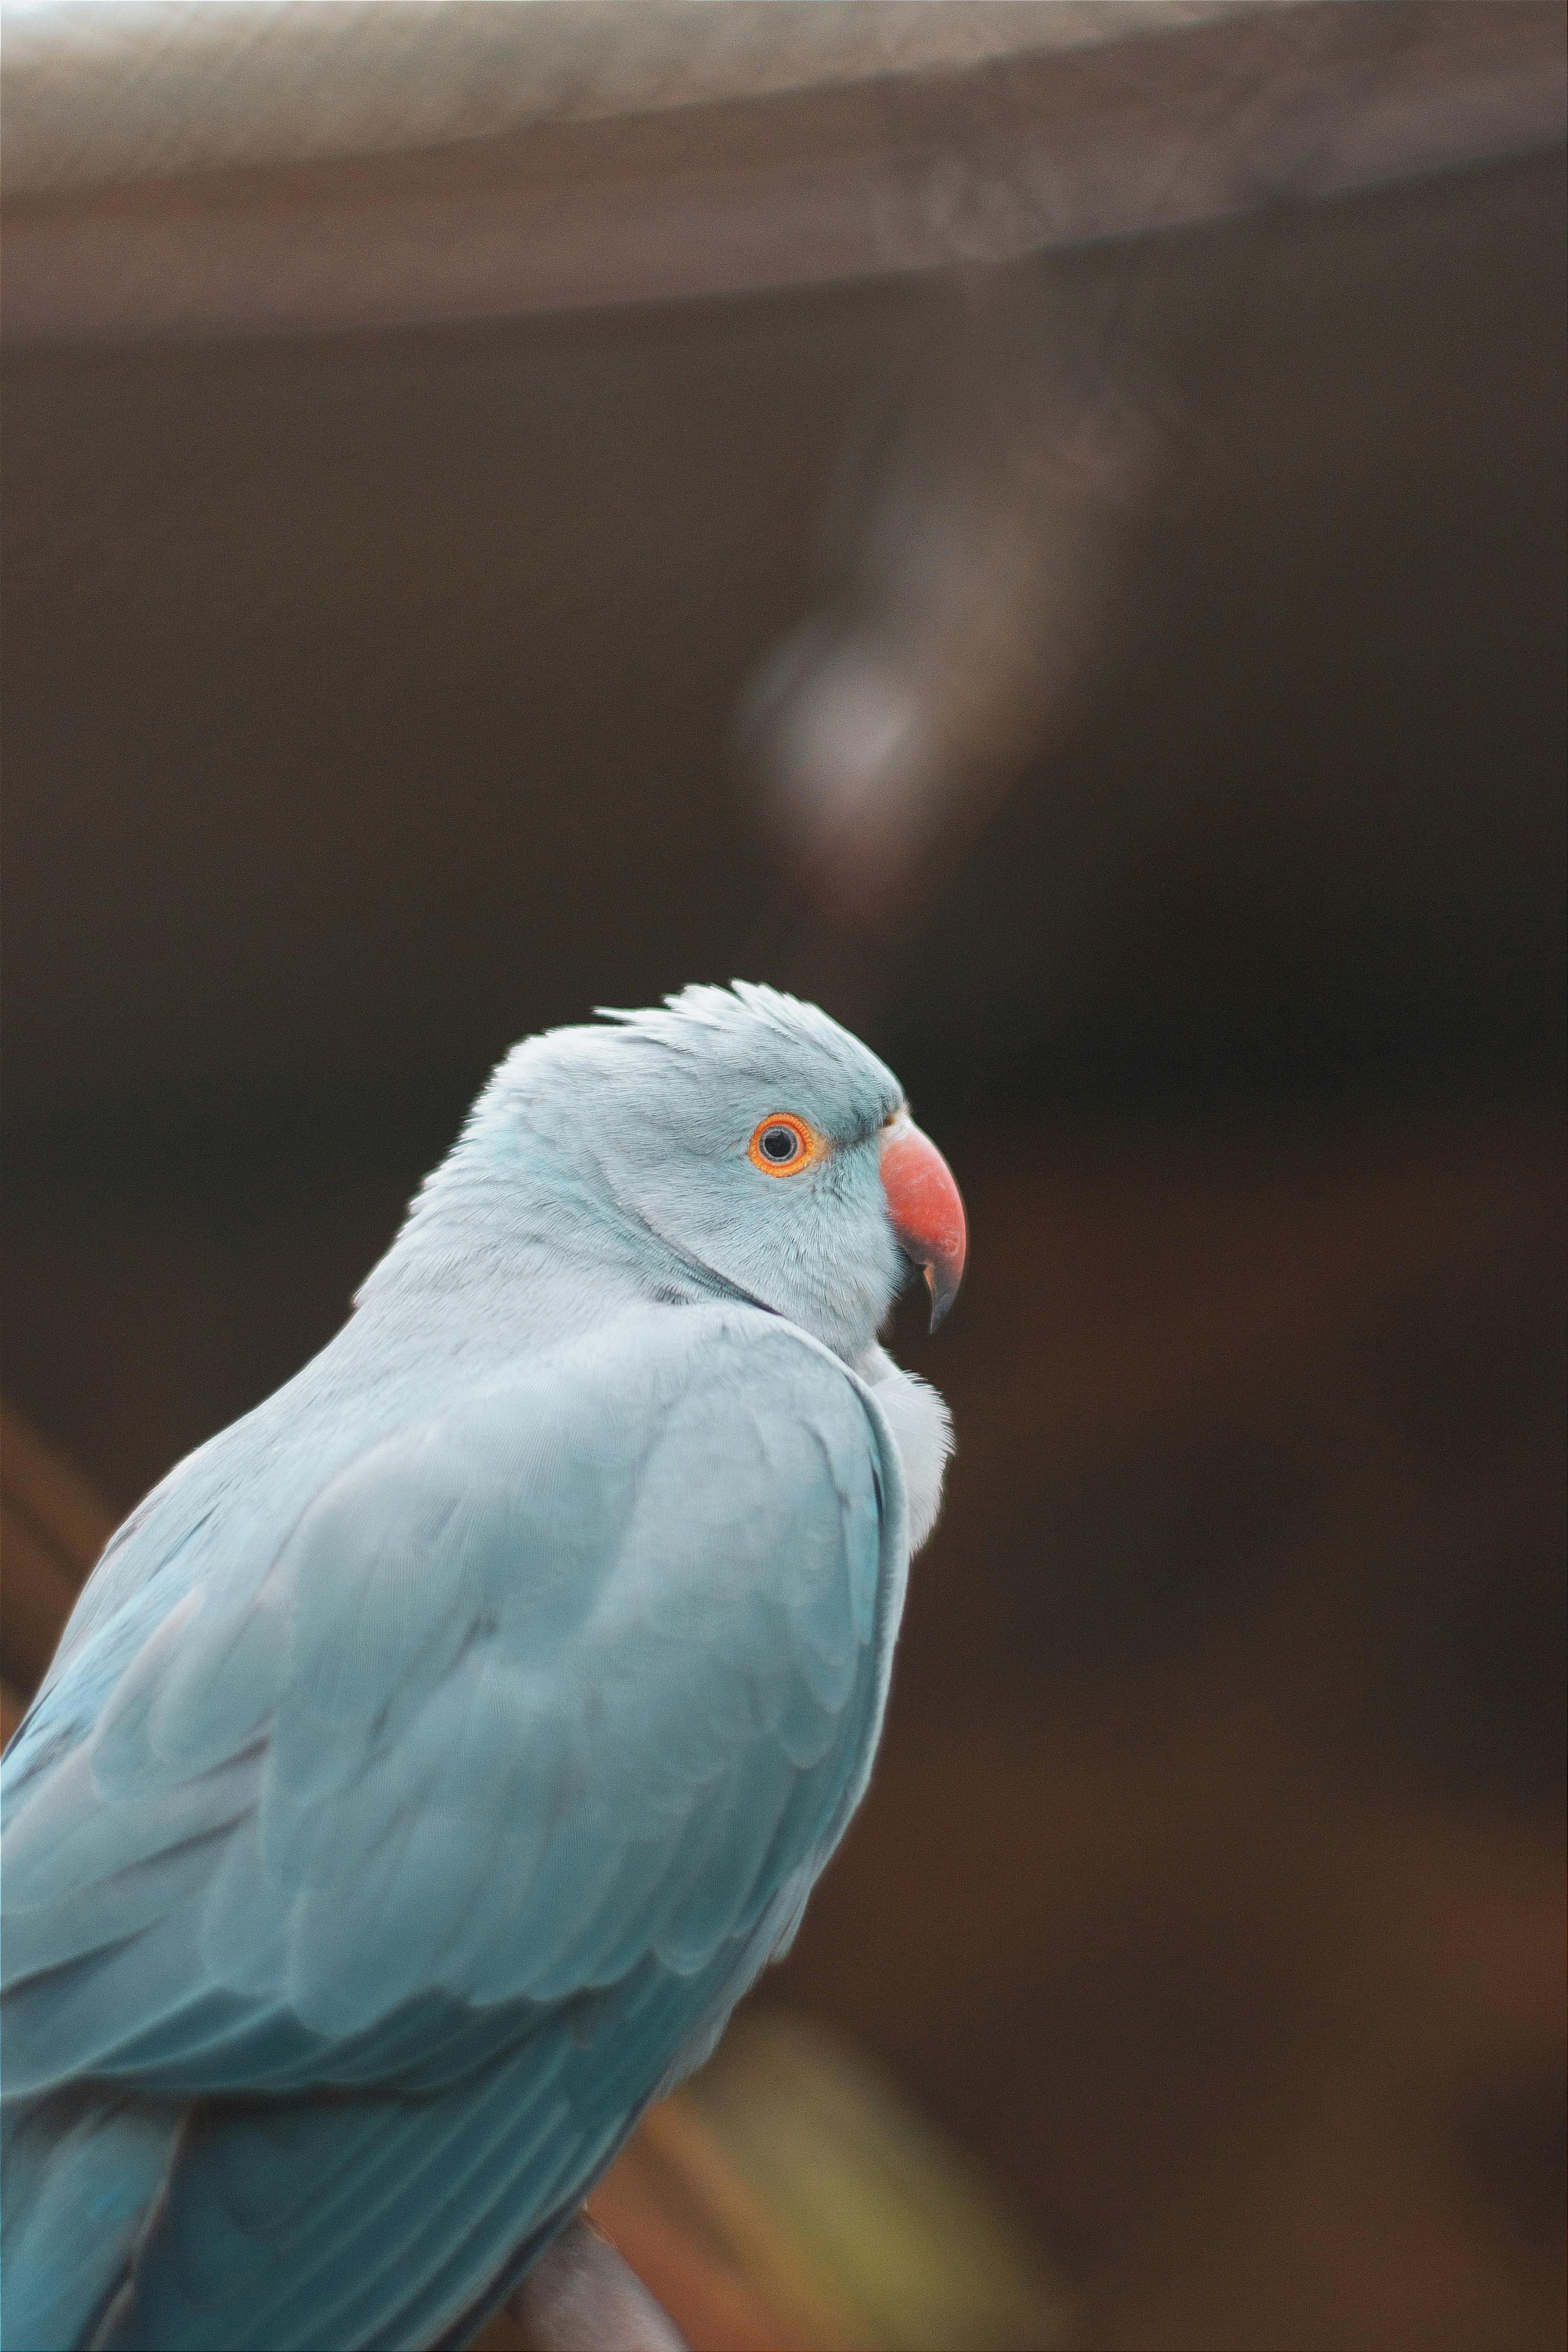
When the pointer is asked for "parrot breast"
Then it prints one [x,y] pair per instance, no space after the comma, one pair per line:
[923,1431]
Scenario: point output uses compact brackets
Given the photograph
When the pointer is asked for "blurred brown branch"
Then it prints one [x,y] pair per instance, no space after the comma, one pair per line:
[52,1528]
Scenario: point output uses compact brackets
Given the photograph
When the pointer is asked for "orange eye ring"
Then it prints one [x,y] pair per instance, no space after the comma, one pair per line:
[766,1148]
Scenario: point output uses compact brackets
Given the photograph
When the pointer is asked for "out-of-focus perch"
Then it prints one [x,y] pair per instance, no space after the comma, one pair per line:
[580,2296]
[788,2200]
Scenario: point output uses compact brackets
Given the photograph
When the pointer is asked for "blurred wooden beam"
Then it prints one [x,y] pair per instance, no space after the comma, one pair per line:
[1184,115]
[98,92]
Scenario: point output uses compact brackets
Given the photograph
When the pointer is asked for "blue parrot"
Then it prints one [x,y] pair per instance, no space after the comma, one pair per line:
[436,1757]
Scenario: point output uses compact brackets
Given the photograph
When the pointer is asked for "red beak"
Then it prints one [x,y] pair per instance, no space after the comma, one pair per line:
[926,1210]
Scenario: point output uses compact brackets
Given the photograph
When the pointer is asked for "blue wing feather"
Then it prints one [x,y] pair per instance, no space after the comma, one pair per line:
[486,1786]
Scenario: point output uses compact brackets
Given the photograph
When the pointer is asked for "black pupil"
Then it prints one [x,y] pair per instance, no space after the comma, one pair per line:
[779,1143]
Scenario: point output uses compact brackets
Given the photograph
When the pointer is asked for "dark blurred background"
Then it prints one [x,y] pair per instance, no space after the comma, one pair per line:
[380,688]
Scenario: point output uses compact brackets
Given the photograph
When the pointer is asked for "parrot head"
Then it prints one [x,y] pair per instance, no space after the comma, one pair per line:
[731,1140]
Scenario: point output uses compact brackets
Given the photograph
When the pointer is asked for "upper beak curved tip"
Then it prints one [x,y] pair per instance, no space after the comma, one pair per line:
[944,1288]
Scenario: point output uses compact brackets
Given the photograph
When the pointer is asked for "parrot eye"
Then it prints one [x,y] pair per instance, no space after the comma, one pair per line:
[782,1144]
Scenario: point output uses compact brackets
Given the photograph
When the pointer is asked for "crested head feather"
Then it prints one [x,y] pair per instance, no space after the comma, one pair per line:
[693,1020]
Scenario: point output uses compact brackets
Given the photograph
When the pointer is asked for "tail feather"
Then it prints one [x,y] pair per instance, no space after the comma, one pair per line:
[396,2213]
[81,2176]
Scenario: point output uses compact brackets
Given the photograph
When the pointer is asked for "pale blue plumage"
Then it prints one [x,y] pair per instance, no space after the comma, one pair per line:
[438,1756]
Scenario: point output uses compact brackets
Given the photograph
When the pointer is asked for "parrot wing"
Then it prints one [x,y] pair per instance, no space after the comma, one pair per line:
[489,1795]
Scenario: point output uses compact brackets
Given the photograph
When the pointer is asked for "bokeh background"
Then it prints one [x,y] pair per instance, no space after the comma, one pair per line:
[1044,529]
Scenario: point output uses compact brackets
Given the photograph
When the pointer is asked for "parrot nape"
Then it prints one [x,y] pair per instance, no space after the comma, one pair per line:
[436,1757]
